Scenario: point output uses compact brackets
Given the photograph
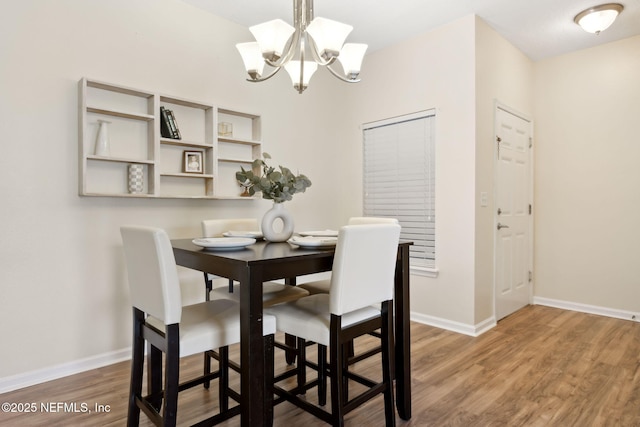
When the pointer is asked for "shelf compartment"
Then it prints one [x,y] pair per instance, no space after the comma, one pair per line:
[106,177]
[178,185]
[246,127]
[128,139]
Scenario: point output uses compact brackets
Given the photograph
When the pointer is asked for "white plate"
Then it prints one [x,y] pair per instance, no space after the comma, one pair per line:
[320,233]
[314,242]
[251,234]
[224,243]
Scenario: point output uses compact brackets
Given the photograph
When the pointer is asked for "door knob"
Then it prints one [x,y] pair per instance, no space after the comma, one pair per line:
[500,226]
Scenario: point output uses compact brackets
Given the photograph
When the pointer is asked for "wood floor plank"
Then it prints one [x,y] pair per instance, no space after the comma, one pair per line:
[541,366]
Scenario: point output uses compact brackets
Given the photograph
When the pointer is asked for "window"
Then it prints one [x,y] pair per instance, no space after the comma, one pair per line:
[399,179]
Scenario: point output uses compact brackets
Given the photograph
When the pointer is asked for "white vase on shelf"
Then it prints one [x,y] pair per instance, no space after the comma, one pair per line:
[102,141]
[277,211]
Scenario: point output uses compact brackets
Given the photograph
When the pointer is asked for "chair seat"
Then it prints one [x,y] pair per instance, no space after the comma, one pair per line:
[272,293]
[210,324]
[310,317]
[317,287]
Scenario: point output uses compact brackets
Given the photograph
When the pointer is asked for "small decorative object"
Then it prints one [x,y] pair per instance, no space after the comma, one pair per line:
[193,162]
[279,186]
[225,129]
[136,178]
[245,188]
[102,141]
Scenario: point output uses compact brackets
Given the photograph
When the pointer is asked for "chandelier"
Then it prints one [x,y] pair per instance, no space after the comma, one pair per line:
[279,45]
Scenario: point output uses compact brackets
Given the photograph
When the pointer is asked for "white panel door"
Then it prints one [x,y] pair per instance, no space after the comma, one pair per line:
[512,216]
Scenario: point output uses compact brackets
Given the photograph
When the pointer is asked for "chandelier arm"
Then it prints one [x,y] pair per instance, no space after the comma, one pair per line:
[341,77]
[316,57]
[289,52]
[261,79]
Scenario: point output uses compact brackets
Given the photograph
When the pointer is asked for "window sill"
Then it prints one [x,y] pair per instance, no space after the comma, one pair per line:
[424,271]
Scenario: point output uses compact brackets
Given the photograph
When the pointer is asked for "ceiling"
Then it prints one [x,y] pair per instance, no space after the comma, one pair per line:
[539,28]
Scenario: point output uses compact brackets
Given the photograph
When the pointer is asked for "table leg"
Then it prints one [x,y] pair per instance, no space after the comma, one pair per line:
[252,351]
[402,335]
[290,340]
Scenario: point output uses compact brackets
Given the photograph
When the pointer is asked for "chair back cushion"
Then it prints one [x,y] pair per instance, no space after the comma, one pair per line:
[363,266]
[358,220]
[215,227]
[153,275]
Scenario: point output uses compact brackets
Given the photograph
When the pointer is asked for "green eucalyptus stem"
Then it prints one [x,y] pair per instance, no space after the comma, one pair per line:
[277,185]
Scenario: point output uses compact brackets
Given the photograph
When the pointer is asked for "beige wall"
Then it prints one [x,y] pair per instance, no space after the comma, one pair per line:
[435,70]
[587,109]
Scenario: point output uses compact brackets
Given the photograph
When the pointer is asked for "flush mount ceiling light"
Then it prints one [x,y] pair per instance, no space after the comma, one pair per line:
[279,45]
[598,18]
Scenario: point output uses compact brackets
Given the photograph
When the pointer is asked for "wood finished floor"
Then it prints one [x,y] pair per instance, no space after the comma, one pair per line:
[539,367]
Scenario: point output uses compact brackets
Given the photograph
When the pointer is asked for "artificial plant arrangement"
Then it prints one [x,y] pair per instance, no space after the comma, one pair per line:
[277,185]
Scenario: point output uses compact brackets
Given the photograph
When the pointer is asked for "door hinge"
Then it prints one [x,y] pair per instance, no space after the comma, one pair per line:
[530,142]
[530,276]
[529,208]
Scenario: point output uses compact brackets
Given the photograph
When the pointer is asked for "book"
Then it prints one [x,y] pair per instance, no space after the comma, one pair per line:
[174,125]
[165,129]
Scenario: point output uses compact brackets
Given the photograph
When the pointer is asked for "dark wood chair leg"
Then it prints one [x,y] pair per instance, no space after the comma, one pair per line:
[223,379]
[137,369]
[172,369]
[208,284]
[207,368]
[154,376]
[290,355]
[302,365]
[322,375]
[386,343]
[268,377]
[336,363]
[347,349]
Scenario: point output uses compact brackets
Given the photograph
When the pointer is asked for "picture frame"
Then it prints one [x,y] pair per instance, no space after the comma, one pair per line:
[193,162]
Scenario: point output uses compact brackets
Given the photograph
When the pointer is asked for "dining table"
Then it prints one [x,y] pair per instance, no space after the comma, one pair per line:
[265,261]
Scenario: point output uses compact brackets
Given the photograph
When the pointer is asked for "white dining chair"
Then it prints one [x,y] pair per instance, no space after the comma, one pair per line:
[160,320]
[362,277]
[322,286]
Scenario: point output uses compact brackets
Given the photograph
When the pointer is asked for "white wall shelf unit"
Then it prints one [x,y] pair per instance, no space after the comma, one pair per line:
[135,138]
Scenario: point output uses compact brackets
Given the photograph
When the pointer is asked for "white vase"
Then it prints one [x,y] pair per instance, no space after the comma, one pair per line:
[276,212]
[102,141]
[136,178]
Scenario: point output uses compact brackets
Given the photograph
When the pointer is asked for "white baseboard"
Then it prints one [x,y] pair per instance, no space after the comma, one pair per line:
[27,379]
[461,328]
[586,308]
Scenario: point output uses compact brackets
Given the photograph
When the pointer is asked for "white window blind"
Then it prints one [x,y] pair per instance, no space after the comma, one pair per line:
[399,179]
